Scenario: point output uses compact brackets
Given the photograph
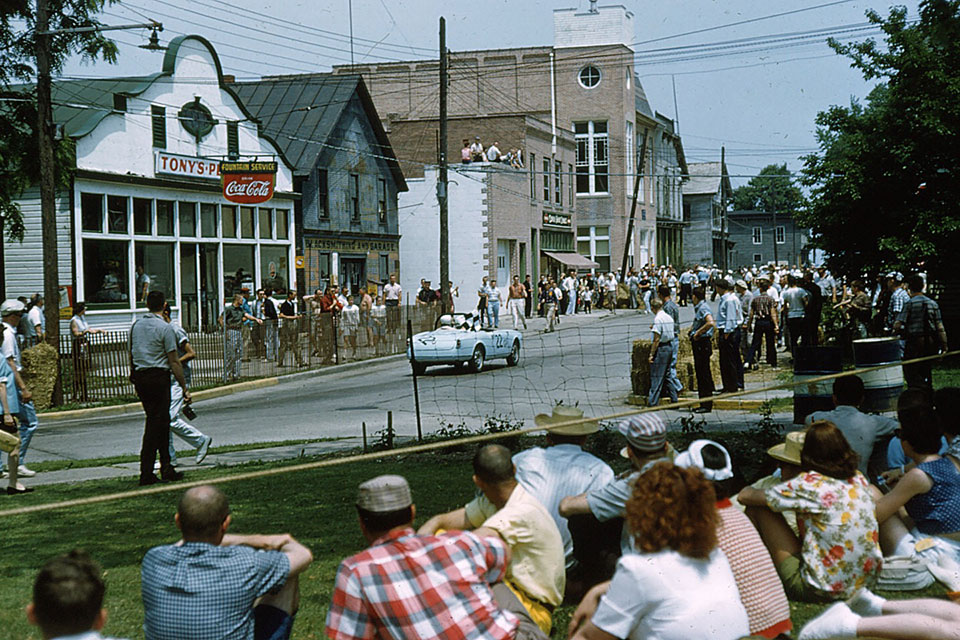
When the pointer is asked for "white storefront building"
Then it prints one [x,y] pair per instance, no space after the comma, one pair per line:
[145,209]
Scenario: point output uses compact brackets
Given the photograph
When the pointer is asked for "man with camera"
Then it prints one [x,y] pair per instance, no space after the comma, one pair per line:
[183,429]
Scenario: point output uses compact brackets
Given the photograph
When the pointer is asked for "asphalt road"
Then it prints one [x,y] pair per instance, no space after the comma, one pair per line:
[586,363]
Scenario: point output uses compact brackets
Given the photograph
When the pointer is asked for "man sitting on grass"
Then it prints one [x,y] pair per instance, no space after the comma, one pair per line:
[213,584]
[68,598]
[537,572]
[422,586]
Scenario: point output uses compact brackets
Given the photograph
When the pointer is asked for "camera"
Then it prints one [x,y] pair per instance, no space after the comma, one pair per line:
[189,412]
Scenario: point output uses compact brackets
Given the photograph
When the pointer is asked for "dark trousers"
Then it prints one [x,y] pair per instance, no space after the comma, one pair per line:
[596,548]
[730,363]
[919,375]
[796,327]
[811,327]
[702,350]
[527,306]
[153,389]
[763,332]
[685,293]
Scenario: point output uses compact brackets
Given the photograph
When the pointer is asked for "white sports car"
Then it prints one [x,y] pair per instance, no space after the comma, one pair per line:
[459,341]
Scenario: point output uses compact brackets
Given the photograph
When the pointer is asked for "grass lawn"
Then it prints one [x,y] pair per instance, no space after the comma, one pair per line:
[318,511]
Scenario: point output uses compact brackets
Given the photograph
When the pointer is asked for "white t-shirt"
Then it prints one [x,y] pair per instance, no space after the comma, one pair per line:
[668,596]
[663,325]
[35,317]
[391,292]
[350,316]
[9,347]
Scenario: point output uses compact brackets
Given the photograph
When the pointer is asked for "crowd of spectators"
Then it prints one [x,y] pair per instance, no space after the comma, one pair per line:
[473,152]
[677,547]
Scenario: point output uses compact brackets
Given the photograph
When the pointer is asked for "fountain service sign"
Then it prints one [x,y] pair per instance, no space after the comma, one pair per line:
[248,182]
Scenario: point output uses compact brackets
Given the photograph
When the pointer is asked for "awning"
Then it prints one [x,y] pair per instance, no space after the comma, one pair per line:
[572,260]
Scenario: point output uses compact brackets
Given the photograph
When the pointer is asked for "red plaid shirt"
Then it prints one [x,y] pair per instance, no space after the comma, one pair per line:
[410,586]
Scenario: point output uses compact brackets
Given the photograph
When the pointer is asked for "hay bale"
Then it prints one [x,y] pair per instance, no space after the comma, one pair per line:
[40,373]
[640,354]
[686,349]
[640,381]
[687,375]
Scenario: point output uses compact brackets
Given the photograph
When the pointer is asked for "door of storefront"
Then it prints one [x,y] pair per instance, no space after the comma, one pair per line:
[503,262]
[210,306]
[353,274]
[189,298]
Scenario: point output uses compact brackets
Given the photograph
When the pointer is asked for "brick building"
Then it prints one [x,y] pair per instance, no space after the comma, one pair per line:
[583,86]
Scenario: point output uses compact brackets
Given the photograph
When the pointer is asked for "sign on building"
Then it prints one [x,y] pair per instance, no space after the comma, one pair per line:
[248,182]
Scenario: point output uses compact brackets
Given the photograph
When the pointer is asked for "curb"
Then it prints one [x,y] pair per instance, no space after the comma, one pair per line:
[217,392]
[718,405]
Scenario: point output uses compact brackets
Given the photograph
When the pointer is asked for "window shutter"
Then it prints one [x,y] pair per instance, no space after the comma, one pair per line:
[159,122]
[233,140]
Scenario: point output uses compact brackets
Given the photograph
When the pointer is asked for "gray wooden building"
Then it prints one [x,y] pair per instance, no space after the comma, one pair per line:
[759,238]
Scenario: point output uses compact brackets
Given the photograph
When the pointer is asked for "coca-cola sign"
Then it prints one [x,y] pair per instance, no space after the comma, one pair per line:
[248,182]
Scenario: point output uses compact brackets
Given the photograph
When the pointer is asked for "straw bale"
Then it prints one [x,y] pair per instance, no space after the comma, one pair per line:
[40,373]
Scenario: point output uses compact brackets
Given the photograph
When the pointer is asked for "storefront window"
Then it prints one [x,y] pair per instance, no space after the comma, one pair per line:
[208,220]
[154,269]
[246,222]
[116,214]
[164,218]
[266,223]
[142,217]
[237,268]
[282,224]
[188,218]
[274,272]
[91,212]
[229,215]
[105,268]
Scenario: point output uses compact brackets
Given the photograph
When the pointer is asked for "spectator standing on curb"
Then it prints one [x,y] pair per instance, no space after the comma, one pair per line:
[258,330]
[378,324]
[811,332]
[290,329]
[527,297]
[271,323]
[743,292]
[794,306]
[9,399]
[923,335]
[80,351]
[550,301]
[569,286]
[671,309]
[392,294]
[232,320]
[493,305]
[481,302]
[764,320]
[729,316]
[366,303]
[701,341]
[350,324]
[661,355]
[515,303]
[153,357]
[183,429]
[10,311]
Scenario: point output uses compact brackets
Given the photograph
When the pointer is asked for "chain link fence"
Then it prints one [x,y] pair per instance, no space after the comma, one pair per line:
[96,367]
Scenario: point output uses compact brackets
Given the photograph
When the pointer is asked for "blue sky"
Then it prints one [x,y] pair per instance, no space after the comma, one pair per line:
[761,104]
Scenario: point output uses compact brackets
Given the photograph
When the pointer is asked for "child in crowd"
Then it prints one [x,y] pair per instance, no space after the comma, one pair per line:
[349,324]
[378,320]
[586,298]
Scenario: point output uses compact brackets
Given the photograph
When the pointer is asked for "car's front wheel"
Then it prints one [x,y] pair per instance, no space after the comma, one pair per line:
[514,358]
[476,360]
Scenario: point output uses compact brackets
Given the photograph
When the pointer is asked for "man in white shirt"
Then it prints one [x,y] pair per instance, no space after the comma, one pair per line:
[493,152]
[661,353]
[569,285]
[392,294]
[36,325]
[11,311]
[562,468]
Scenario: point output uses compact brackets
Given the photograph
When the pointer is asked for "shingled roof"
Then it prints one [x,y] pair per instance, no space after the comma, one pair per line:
[301,112]
[704,178]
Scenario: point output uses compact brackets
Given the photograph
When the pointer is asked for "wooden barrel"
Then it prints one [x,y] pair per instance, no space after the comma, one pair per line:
[883,387]
[811,362]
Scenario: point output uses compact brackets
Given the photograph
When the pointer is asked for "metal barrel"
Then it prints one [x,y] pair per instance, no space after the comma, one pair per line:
[882,387]
[811,362]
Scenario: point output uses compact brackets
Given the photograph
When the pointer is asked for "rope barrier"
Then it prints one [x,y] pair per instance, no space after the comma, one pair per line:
[433,446]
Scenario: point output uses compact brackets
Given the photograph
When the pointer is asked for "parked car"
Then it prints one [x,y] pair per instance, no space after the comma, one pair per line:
[459,340]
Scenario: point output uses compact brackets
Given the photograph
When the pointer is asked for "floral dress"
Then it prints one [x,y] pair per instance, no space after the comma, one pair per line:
[838,523]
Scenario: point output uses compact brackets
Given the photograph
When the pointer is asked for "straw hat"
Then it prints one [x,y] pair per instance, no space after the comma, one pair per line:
[789,450]
[563,413]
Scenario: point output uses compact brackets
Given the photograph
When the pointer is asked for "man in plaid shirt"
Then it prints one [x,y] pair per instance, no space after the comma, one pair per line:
[213,584]
[923,334]
[410,586]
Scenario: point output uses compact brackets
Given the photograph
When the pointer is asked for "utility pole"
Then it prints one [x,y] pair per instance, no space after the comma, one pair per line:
[776,260]
[723,210]
[442,183]
[48,187]
[633,209]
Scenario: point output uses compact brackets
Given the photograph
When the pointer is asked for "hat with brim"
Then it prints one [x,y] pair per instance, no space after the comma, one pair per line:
[562,414]
[789,450]
[11,305]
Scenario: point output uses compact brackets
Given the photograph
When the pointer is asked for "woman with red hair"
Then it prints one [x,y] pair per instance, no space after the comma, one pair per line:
[680,585]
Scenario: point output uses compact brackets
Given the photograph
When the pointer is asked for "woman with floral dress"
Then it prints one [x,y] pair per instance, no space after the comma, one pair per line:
[839,552]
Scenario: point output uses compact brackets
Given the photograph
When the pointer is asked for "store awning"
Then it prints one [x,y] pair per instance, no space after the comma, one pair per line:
[572,260]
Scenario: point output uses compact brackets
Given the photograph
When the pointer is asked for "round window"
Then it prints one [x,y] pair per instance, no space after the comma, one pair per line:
[589,76]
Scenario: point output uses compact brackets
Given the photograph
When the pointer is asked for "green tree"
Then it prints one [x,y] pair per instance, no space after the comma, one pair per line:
[771,190]
[19,167]
[885,183]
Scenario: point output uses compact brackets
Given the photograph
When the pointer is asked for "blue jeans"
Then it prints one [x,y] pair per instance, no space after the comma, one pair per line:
[659,374]
[672,378]
[572,303]
[493,314]
[28,424]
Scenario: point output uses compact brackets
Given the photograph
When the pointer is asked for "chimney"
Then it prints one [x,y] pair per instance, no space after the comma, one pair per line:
[593,6]
[229,78]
